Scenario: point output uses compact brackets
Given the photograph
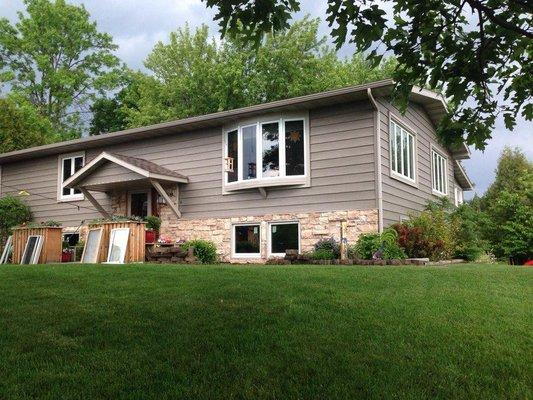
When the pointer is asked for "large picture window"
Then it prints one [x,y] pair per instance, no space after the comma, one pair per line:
[270,152]
[284,236]
[69,166]
[247,240]
[439,175]
[403,151]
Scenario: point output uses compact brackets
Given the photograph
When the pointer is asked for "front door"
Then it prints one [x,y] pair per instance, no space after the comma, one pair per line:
[140,204]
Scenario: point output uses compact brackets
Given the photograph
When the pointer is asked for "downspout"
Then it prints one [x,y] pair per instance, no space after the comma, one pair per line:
[377,152]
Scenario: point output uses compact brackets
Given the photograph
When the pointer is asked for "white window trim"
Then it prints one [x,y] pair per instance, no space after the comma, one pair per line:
[60,196]
[396,175]
[149,196]
[458,201]
[260,181]
[269,241]
[435,171]
[245,255]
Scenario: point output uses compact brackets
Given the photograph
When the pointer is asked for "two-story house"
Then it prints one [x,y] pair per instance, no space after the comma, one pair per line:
[255,180]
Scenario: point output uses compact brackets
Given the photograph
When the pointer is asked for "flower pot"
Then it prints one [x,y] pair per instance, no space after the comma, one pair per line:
[151,236]
[66,256]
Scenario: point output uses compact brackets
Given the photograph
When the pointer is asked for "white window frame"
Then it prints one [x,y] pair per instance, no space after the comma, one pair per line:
[259,181]
[439,172]
[60,195]
[412,158]
[234,254]
[458,201]
[269,241]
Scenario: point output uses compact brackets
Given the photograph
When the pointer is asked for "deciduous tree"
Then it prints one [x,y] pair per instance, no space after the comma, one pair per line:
[55,56]
[478,53]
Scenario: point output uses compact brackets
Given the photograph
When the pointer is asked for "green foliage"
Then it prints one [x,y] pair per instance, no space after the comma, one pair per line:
[513,173]
[511,226]
[323,254]
[194,75]
[330,245]
[107,116]
[469,223]
[204,250]
[13,212]
[508,205]
[428,234]
[479,54]
[153,222]
[56,58]
[21,125]
[385,245]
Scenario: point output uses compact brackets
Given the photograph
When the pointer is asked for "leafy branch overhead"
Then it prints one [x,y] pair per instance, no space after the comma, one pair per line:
[478,53]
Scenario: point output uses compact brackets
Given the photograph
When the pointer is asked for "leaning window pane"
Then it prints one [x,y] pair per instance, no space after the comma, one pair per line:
[405,155]
[247,239]
[284,237]
[249,154]
[270,150]
[233,148]
[294,148]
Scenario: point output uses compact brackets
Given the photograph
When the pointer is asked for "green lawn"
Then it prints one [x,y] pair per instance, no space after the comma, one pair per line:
[265,332]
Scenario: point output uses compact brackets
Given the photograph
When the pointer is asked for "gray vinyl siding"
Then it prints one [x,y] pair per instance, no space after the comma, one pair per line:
[341,163]
[401,199]
[39,177]
[110,172]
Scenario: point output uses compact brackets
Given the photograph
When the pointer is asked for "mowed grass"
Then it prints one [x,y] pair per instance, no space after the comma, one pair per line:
[265,332]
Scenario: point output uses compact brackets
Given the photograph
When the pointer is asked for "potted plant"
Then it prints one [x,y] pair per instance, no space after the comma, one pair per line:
[152,228]
[66,254]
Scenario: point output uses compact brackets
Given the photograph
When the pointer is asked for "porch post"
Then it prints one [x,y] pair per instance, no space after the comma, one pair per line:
[94,202]
[174,206]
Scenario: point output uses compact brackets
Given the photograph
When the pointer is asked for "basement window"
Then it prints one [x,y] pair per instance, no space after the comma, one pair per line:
[247,240]
[283,236]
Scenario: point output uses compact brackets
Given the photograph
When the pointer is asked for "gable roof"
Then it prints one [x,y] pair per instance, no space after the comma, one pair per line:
[142,167]
[432,102]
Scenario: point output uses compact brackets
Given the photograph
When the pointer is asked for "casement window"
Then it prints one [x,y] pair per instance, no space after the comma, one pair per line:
[69,165]
[246,240]
[283,236]
[439,167]
[458,196]
[266,153]
[403,152]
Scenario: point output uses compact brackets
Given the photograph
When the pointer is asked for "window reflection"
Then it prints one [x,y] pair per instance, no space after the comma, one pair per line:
[270,150]
[249,153]
[294,148]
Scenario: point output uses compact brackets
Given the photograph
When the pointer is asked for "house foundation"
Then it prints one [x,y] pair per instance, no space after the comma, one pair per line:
[314,226]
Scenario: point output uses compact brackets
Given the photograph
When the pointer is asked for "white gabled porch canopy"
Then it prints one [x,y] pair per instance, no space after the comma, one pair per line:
[111,171]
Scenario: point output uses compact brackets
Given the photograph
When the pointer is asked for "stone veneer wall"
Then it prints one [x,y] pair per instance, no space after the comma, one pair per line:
[313,227]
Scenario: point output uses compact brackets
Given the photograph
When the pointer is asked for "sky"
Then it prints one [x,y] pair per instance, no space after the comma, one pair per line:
[136,25]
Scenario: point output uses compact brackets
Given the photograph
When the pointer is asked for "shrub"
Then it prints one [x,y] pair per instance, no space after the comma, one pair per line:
[323,254]
[153,222]
[511,227]
[468,223]
[329,244]
[204,250]
[13,212]
[428,234]
[385,244]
